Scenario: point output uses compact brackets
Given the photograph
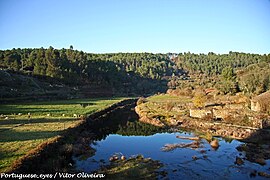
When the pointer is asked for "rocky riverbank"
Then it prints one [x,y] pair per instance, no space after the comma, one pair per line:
[216,128]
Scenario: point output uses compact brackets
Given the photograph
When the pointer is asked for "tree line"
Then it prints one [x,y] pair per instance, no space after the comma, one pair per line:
[230,73]
[141,71]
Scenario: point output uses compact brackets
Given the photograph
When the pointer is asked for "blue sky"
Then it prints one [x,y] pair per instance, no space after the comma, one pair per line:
[101,26]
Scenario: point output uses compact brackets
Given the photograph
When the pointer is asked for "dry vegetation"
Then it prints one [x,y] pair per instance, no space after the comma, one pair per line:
[176,105]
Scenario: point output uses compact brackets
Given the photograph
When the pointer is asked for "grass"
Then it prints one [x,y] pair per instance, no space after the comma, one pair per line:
[163,98]
[162,105]
[57,108]
[19,135]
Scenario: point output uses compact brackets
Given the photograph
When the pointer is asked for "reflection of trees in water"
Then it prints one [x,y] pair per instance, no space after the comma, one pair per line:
[123,122]
[257,153]
[257,147]
[110,123]
[138,129]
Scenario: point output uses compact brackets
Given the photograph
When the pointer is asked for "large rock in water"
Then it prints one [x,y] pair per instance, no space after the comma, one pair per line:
[238,161]
[214,144]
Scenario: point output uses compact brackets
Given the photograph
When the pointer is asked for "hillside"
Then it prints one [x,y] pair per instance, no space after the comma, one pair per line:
[68,73]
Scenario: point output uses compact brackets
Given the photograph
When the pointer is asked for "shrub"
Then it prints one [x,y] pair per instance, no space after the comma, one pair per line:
[199,100]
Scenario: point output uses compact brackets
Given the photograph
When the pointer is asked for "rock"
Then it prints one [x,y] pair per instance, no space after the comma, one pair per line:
[123,158]
[202,151]
[238,161]
[260,161]
[264,174]
[113,158]
[189,138]
[140,156]
[194,158]
[214,144]
[253,173]
[163,173]
[235,134]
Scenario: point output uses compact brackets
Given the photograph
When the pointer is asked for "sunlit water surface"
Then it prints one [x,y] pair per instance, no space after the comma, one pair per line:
[179,163]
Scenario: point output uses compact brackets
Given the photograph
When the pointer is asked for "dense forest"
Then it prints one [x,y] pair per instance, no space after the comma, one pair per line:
[137,73]
[129,73]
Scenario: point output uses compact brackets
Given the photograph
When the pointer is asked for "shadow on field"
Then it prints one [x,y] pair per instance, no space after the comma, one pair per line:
[26,110]
[34,121]
[12,135]
[55,154]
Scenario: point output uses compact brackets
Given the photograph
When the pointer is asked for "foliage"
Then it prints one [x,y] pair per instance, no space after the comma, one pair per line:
[227,86]
[213,64]
[141,73]
[137,128]
[180,92]
[199,100]
[228,73]
[120,71]
[255,78]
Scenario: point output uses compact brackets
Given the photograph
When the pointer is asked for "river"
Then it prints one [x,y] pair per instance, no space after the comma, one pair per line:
[122,134]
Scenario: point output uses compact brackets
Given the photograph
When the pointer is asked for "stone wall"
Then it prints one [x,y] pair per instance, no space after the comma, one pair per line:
[255,106]
[200,113]
[214,113]
[238,106]
[220,113]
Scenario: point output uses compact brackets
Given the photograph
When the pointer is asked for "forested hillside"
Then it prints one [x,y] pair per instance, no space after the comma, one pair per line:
[128,73]
[121,73]
[213,64]
[229,73]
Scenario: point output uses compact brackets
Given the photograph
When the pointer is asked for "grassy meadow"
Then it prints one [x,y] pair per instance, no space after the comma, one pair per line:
[24,126]
[166,105]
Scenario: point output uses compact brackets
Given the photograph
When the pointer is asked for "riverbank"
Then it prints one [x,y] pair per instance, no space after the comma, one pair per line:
[26,138]
[177,111]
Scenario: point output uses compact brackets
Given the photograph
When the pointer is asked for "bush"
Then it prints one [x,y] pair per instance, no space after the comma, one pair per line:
[180,92]
[199,100]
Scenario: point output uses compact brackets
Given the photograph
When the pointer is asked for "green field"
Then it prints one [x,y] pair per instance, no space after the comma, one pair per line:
[20,133]
[164,98]
[162,105]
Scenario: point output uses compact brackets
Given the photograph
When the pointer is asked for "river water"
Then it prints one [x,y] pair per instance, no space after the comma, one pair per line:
[130,138]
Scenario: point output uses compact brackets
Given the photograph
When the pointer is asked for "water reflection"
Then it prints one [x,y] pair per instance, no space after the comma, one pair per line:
[126,136]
